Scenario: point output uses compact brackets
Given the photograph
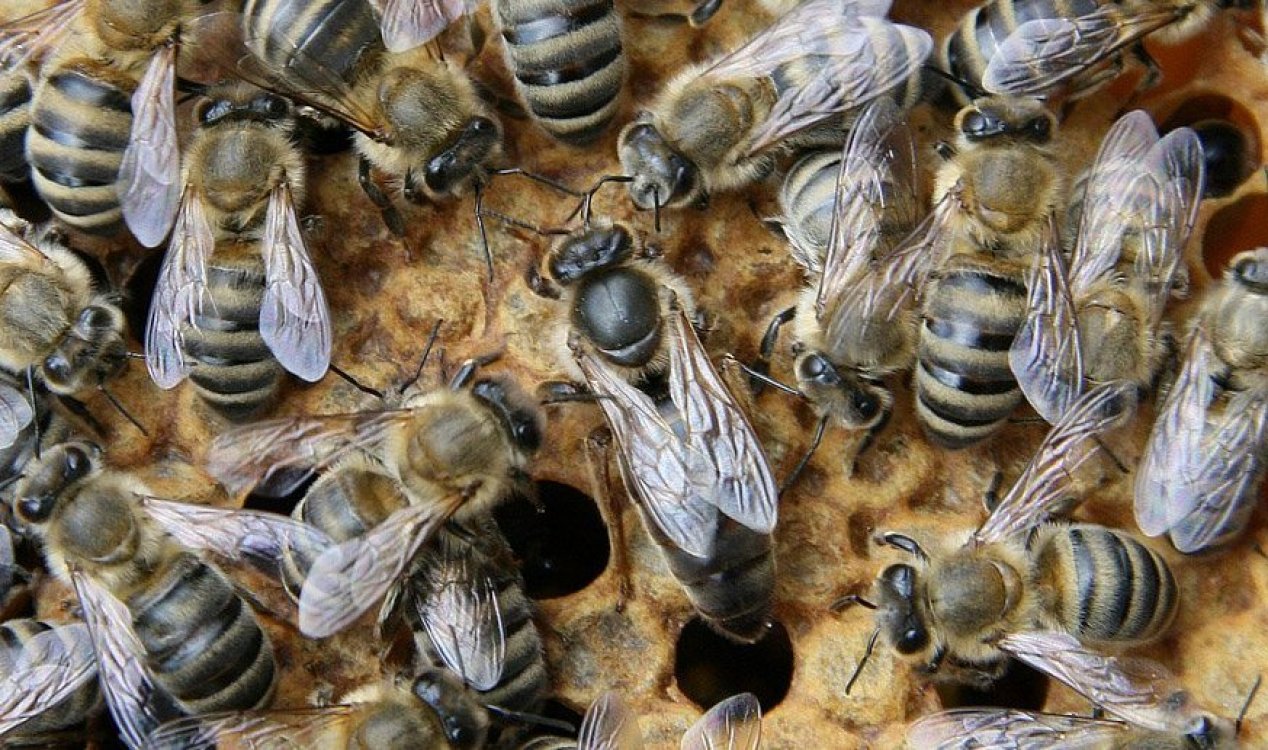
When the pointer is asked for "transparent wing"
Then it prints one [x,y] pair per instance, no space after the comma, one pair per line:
[15,414]
[1046,356]
[29,38]
[17,251]
[240,535]
[1045,484]
[729,469]
[8,561]
[405,24]
[294,319]
[654,459]
[1176,173]
[150,173]
[877,176]
[352,577]
[610,724]
[49,668]
[1135,690]
[259,730]
[179,294]
[131,695]
[733,724]
[1170,481]
[244,456]
[1006,729]
[461,613]
[1043,54]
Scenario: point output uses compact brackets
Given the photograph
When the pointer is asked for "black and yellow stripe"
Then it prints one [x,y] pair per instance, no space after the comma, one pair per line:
[15,116]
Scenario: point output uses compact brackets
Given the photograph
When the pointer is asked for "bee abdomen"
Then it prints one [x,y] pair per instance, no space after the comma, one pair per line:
[524,682]
[236,374]
[808,197]
[290,34]
[15,116]
[732,591]
[80,125]
[74,709]
[568,63]
[965,388]
[1110,586]
[204,644]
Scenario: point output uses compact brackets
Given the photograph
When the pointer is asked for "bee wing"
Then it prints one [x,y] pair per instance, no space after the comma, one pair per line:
[1041,55]
[15,414]
[134,700]
[16,250]
[730,468]
[733,724]
[244,456]
[49,667]
[1046,356]
[405,24]
[179,293]
[284,729]
[1170,482]
[150,173]
[1007,729]
[1044,484]
[349,578]
[878,159]
[610,724]
[294,319]
[654,461]
[462,615]
[237,534]
[8,562]
[1138,691]
[1176,173]
[28,38]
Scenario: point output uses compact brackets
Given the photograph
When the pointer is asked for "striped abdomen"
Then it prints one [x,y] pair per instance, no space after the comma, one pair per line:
[806,200]
[568,63]
[965,389]
[1103,584]
[74,709]
[236,374]
[81,119]
[15,116]
[968,50]
[308,39]
[202,641]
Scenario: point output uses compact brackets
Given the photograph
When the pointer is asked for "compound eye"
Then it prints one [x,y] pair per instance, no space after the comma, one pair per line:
[96,317]
[276,106]
[901,579]
[1040,128]
[865,404]
[78,463]
[975,123]
[57,367]
[525,432]
[35,509]
[914,638]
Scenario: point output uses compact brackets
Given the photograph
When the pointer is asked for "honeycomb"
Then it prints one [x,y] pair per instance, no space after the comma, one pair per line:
[386,294]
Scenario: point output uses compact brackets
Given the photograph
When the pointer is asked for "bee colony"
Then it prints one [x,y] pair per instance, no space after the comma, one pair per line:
[468,315]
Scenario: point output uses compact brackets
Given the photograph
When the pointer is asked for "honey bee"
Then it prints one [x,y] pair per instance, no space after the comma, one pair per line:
[568,63]
[433,711]
[417,119]
[1037,47]
[954,612]
[453,452]
[609,724]
[102,145]
[1105,323]
[1150,711]
[1203,464]
[243,177]
[52,323]
[50,678]
[717,126]
[844,212]
[171,634]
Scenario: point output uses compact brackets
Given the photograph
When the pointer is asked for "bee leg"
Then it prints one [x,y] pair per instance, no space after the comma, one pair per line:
[598,448]
[795,474]
[703,12]
[540,285]
[76,407]
[391,217]
[869,439]
[767,347]
[563,392]
[1153,72]
[468,369]
[904,543]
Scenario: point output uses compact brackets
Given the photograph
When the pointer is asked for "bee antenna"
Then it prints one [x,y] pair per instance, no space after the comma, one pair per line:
[849,600]
[1250,696]
[792,477]
[589,199]
[969,88]
[656,208]
[867,653]
[35,419]
[134,355]
[4,484]
[115,403]
[422,362]
[527,718]
[354,382]
[484,233]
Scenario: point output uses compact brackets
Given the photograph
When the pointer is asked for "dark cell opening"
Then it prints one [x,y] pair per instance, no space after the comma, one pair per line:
[1229,135]
[26,202]
[1021,687]
[561,540]
[281,496]
[710,668]
[137,292]
[1234,228]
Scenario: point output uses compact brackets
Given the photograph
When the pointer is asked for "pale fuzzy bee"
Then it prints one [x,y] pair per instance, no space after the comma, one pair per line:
[453,452]
[1205,460]
[1151,712]
[716,126]
[243,177]
[49,678]
[1105,323]
[954,611]
[609,724]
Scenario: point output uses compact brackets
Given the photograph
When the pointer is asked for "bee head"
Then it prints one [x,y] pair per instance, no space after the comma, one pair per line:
[898,611]
[517,414]
[858,403]
[590,250]
[1250,269]
[463,160]
[465,722]
[92,352]
[1006,118]
[662,176]
[61,467]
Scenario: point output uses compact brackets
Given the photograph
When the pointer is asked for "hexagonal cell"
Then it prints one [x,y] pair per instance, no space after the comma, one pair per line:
[1232,229]
[1229,135]
[1021,687]
[710,667]
[559,538]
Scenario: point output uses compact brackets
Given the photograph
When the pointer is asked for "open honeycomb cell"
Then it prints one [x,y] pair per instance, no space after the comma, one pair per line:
[386,294]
